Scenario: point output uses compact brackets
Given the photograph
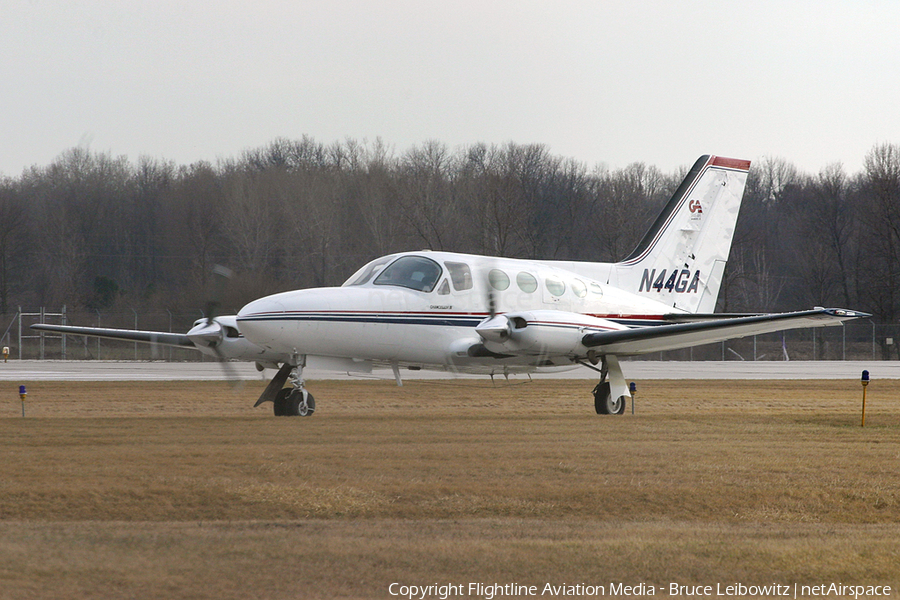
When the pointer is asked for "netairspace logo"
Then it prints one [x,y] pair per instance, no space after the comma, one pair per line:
[490,591]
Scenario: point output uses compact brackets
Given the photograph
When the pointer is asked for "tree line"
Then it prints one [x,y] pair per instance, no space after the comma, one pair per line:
[94,231]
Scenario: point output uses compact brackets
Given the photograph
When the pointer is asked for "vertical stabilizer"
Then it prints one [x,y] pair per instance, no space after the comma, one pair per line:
[681,260]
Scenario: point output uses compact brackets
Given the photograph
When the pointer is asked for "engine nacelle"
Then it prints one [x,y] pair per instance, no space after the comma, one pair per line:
[541,332]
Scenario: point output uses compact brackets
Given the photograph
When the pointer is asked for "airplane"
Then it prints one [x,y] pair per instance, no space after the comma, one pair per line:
[494,315]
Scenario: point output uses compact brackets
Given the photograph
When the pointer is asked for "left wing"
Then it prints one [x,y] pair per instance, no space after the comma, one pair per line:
[217,337]
[682,335]
[151,337]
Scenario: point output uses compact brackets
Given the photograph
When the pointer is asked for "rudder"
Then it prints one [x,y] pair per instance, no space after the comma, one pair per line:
[681,259]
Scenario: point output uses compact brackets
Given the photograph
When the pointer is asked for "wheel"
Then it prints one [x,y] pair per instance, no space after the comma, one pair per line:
[603,402]
[617,406]
[309,408]
[281,402]
[300,403]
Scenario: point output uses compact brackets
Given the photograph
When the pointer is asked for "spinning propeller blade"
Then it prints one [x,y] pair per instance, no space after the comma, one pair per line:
[496,328]
[221,275]
[211,334]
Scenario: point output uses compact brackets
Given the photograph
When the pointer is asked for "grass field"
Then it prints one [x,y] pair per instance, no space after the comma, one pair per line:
[182,490]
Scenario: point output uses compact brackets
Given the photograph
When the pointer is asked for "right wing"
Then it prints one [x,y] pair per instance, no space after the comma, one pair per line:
[657,338]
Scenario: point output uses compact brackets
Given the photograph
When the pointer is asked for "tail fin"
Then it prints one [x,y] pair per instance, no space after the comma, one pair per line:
[682,258]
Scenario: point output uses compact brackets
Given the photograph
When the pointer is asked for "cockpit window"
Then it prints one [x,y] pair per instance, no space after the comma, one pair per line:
[460,275]
[413,272]
[365,274]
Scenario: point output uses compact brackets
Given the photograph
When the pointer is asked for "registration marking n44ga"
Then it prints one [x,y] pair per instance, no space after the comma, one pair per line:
[680,281]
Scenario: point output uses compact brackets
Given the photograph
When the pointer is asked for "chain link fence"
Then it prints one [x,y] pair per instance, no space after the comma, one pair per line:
[26,343]
[856,340]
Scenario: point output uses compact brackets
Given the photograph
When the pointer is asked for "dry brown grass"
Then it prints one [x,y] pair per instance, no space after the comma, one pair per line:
[181,490]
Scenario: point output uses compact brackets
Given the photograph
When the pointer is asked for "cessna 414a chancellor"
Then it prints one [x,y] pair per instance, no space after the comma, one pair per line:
[491,315]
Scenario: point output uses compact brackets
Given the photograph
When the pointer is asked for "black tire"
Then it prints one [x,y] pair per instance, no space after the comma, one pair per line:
[603,402]
[601,395]
[281,402]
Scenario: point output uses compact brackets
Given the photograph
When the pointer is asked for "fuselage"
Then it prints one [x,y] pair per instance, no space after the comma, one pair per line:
[420,309]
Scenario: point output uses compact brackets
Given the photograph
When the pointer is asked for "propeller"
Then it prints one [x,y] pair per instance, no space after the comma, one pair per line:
[496,328]
[210,334]
[221,275]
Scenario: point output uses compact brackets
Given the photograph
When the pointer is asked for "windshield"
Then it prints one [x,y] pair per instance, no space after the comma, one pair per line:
[413,272]
[365,274]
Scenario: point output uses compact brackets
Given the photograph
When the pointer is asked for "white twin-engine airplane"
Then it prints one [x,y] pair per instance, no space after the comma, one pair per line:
[491,315]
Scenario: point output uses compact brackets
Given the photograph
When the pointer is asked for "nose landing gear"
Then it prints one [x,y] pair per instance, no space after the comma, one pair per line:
[294,401]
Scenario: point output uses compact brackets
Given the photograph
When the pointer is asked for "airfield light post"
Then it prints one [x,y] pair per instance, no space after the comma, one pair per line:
[98,337]
[135,328]
[632,387]
[865,383]
[169,348]
[22,394]
[873,340]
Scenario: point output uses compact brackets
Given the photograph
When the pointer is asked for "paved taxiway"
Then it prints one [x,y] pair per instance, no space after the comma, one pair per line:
[33,370]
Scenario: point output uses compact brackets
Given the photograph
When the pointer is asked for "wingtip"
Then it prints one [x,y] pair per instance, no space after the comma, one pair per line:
[846,313]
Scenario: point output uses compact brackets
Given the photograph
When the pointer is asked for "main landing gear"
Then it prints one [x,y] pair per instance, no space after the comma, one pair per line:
[609,398]
[604,403]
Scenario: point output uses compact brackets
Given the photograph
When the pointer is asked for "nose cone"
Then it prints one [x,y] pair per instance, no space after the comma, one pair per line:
[262,321]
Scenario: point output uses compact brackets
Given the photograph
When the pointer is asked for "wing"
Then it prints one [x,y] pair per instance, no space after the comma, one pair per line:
[682,335]
[151,337]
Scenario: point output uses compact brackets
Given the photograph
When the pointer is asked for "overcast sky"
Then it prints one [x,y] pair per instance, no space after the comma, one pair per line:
[600,81]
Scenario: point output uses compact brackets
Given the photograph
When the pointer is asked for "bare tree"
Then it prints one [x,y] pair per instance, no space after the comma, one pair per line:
[12,236]
[194,217]
[880,196]
[425,196]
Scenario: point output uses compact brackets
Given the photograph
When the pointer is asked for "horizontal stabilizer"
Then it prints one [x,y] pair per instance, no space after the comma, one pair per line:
[682,335]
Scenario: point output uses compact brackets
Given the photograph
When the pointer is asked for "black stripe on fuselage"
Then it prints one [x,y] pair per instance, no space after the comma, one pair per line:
[437,319]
